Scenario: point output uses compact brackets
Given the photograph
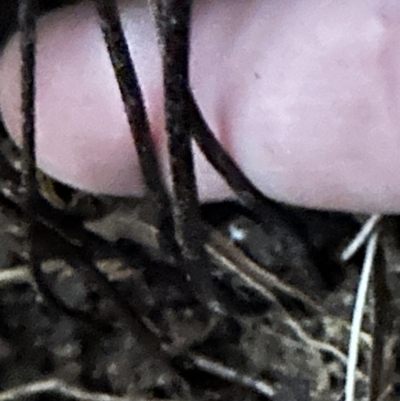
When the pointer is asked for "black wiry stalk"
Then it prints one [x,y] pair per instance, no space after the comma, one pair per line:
[131,94]
[248,194]
[27,23]
[224,164]
[132,97]
[27,15]
[172,18]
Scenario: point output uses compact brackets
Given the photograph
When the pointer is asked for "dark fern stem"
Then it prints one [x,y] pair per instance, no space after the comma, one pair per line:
[135,110]
[131,94]
[27,16]
[27,21]
[172,19]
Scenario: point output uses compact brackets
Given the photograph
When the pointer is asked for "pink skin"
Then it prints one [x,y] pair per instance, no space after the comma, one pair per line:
[303,94]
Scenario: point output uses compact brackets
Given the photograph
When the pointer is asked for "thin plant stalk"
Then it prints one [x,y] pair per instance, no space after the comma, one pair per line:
[358,316]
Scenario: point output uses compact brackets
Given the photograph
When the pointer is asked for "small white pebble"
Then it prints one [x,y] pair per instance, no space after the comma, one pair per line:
[236,233]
